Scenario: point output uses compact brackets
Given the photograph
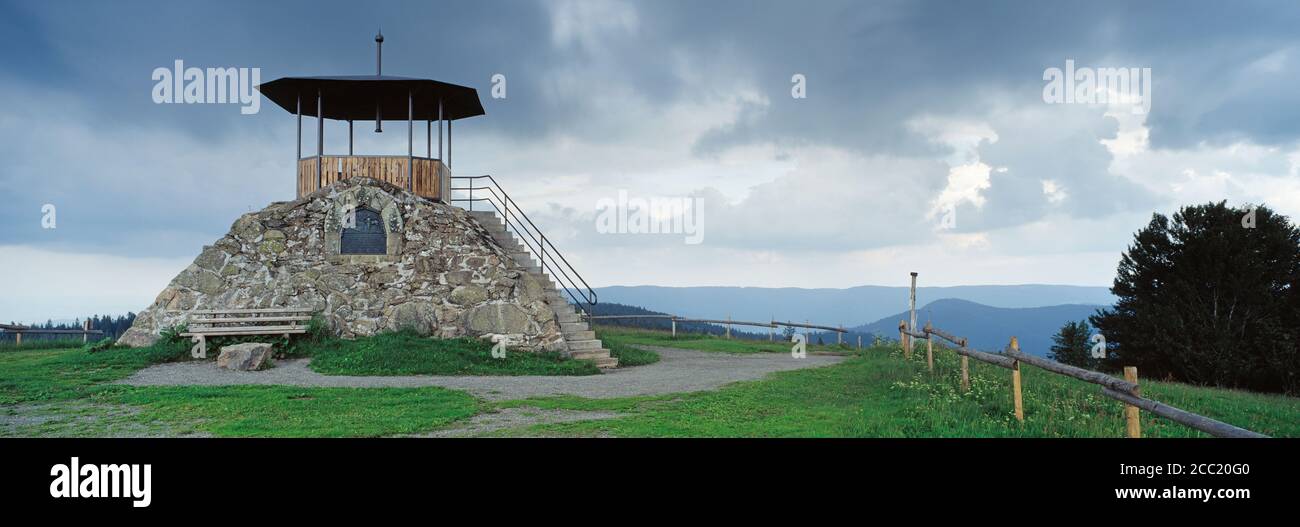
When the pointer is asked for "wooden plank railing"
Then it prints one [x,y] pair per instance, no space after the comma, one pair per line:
[430,175]
[18,332]
[839,336]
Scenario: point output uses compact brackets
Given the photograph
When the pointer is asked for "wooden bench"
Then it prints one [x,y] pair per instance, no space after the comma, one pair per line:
[234,322]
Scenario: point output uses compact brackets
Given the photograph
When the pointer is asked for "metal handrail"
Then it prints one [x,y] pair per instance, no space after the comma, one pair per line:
[540,246]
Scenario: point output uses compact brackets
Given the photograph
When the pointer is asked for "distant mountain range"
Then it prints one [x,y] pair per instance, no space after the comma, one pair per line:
[848,307]
[989,328]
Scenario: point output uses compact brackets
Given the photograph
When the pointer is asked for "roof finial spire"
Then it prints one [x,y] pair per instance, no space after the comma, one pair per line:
[379,52]
[379,72]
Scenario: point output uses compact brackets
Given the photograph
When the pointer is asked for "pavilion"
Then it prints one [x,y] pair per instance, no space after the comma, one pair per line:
[365,97]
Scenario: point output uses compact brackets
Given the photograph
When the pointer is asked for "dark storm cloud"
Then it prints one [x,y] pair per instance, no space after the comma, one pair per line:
[1223,72]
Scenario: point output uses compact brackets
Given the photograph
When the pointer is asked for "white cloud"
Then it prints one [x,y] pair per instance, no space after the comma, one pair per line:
[1053,191]
[589,23]
[968,176]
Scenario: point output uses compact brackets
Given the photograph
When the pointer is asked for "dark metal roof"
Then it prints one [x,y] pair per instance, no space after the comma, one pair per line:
[356,96]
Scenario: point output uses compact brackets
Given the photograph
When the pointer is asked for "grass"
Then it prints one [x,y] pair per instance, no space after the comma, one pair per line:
[873,393]
[627,355]
[35,343]
[67,389]
[43,375]
[616,335]
[877,393]
[406,353]
[280,411]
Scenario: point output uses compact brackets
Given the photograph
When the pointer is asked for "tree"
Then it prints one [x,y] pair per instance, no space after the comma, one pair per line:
[1209,297]
[1072,345]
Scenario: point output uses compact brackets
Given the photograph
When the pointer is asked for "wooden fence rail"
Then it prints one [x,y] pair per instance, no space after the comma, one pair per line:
[728,323]
[19,331]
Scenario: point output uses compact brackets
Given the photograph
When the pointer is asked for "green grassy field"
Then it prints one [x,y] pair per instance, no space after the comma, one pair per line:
[406,353]
[873,393]
[877,393]
[627,355]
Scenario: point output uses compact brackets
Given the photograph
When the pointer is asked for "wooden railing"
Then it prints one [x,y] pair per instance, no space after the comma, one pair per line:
[771,325]
[430,174]
[19,331]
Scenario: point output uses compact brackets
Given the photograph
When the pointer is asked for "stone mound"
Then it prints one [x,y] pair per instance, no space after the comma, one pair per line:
[421,265]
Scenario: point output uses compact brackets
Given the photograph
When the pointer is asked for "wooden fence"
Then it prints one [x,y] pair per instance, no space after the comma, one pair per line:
[19,331]
[1126,390]
[771,325]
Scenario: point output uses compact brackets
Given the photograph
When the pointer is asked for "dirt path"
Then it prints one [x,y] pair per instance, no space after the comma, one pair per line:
[677,371]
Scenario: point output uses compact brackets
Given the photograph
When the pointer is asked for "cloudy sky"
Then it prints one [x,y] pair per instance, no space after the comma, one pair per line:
[923,143]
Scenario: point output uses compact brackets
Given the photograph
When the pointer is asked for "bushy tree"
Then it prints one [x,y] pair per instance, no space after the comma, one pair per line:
[1071,345]
[1210,296]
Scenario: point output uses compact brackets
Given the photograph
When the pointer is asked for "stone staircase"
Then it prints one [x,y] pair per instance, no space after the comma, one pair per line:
[579,339]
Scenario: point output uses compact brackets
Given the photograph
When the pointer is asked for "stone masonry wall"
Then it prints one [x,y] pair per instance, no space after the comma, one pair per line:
[443,275]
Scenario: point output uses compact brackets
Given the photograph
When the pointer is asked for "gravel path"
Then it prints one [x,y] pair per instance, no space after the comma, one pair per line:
[677,371]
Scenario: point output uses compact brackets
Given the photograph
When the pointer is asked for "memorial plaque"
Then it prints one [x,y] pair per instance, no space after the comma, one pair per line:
[368,237]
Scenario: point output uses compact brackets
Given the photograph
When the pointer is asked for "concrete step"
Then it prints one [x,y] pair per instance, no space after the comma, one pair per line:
[607,363]
[567,317]
[583,345]
[579,335]
[485,216]
[597,353]
[569,327]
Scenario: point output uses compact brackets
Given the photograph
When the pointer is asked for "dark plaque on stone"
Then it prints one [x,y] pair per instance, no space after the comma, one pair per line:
[368,237]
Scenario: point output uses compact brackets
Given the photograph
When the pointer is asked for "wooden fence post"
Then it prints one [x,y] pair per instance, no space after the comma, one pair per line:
[1015,382]
[728,325]
[1132,419]
[85,331]
[902,339]
[18,339]
[859,341]
[965,374]
[929,353]
[674,320]
[911,309]
[839,335]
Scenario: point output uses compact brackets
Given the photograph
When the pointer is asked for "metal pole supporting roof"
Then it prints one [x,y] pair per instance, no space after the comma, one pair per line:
[320,138]
[410,141]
